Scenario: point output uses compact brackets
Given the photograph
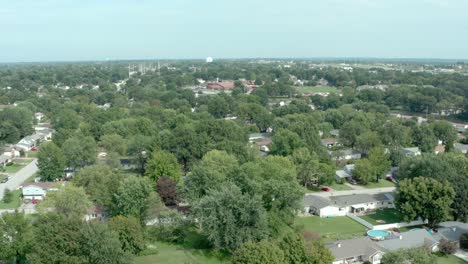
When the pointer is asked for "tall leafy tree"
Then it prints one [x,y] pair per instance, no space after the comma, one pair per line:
[68,200]
[163,164]
[129,232]
[425,198]
[230,218]
[257,253]
[414,256]
[79,151]
[445,132]
[51,162]
[16,238]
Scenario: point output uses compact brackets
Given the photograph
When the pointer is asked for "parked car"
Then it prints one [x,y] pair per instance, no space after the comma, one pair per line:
[325,189]
[35,201]
[352,181]
[5,179]
[390,179]
[34,149]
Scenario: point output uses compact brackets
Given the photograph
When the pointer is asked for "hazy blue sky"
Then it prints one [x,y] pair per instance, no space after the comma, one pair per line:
[45,30]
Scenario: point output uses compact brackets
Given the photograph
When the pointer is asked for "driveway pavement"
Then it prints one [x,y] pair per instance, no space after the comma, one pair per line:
[19,177]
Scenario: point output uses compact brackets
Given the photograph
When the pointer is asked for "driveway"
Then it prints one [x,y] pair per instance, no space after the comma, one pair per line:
[462,254]
[349,192]
[20,177]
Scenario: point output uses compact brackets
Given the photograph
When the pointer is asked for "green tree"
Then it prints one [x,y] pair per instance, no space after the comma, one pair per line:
[380,161]
[114,143]
[285,142]
[99,182]
[445,132]
[425,198]
[79,151]
[211,173]
[258,253]
[367,141]
[424,138]
[163,164]
[129,232]
[7,196]
[51,162]
[15,237]
[364,171]
[68,200]
[230,218]
[413,256]
[135,197]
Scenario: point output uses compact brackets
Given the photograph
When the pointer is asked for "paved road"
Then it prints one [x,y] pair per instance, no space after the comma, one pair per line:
[349,192]
[18,178]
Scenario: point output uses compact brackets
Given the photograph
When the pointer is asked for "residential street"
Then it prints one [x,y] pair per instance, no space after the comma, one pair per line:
[18,178]
[367,191]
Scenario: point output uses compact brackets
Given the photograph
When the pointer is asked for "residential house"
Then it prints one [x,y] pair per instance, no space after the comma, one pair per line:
[411,239]
[335,133]
[342,205]
[411,152]
[358,250]
[128,164]
[264,144]
[451,231]
[39,116]
[346,173]
[4,160]
[439,149]
[11,152]
[355,250]
[29,142]
[461,128]
[38,190]
[258,136]
[97,212]
[345,154]
[329,142]
[463,148]
[221,85]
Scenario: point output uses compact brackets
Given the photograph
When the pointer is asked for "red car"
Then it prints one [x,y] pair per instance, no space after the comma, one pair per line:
[35,201]
[326,189]
[34,149]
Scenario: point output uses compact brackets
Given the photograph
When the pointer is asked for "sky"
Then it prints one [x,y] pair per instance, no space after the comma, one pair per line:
[80,30]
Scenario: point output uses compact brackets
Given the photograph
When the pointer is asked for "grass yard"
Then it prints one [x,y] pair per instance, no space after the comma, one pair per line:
[450,259]
[15,167]
[15,202]
[316,89]
[32,154]
[390,216]
[380,184]
[331,229]
[339,187]
[169,253]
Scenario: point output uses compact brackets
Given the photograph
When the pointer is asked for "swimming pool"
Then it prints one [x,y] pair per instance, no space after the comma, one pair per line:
[377,234]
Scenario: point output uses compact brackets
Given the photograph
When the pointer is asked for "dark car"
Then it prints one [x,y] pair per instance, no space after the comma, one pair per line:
[5,179]
[326,189]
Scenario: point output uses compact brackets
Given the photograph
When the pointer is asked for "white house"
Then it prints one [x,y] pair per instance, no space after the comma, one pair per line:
[356,250]
[345,154]
[95,213]
[345,173]
[411,152]
[39,116]
[38,190]
[32,141]
[341,205]
[463,148]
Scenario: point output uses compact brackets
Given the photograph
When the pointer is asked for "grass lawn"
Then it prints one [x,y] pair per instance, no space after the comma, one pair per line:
[316,89]
[339,187]
[15,202]
[380,184]
[32,154]
[450,259]
[14,168]
[388,215]
[331,229]
[170,253]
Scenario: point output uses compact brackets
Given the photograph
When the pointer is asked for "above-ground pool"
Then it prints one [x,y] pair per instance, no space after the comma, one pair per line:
[377,234]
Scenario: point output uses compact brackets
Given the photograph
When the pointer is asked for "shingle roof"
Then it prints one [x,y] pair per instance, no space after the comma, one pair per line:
[315,201]
[410,239]
[353,199]
[342,174]
[349,248]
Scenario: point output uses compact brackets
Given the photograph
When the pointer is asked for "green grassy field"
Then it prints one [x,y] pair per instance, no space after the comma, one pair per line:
[339,187]
[169,253]
[387,215]
[380,184]
[15,202]
[331,229]
[316,89]
[450,259]
[15,167]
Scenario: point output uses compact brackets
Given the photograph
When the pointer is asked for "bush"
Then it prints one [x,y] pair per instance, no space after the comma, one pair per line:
[464,241]
[171,228]
[447,247]
[148,251]
[7,196]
